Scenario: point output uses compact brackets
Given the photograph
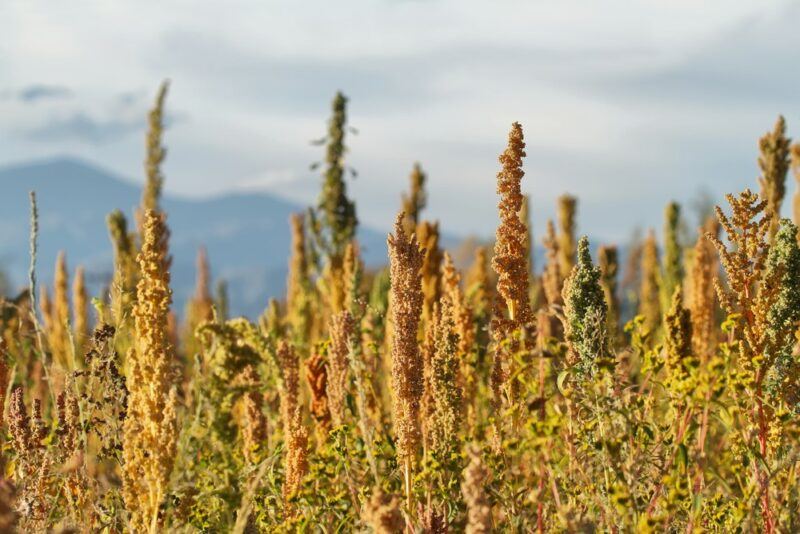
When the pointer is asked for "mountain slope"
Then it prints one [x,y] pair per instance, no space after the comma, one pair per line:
[246,235]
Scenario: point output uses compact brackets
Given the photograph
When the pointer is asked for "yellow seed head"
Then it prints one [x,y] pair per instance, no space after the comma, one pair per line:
[150,429]
[342,329]
[406,259]
[80,304]
[567,243]
[649,299]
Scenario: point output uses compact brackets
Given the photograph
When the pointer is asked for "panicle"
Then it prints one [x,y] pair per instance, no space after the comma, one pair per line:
[150,429]
[406,302]
[567,208]
[680,359]
[608,262]
[428,238]
[774,161]
[123,284]
[60,339]
[295,433]
[298,284]
[451,287]
[649,292]
[703,300]
[445,381]
[512,313]
[552,281]
[672,270]
[156,152]
[342,330]
[415,201]
[254,432]
[317,378]
[509,261]
[478,283]
[586,312]
[80,305]
[337,211]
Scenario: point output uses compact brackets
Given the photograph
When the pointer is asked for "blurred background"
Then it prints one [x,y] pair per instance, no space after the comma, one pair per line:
[624,104]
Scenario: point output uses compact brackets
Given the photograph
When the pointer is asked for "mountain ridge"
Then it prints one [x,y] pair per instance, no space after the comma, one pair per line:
[246,234]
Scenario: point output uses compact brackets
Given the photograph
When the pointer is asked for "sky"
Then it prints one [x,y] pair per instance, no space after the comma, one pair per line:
[625,104]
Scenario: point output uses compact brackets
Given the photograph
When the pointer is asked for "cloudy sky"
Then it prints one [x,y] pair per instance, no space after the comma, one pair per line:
[626,104]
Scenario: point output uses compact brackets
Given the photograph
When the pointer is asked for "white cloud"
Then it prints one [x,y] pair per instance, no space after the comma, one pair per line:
[624,103]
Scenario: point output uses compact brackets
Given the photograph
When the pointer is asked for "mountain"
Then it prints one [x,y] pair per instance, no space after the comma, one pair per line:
[246,235]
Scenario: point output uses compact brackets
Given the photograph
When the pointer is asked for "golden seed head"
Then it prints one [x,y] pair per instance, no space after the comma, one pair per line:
[342,329]
[150,429]
[406,301]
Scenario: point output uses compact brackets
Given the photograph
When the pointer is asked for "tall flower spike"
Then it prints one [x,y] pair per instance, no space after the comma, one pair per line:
[509,261]
[295,435]
[445,381]
[46,308]
[338,212]
[80,305]
[317,378]
[608,261]
[672,270]
[567,208]
[202,301]
[298,283]
[773,161]
[631,282]
[746,229]
[352,278]
[60,343]
[649,299]
[552,281]
[123,285]
[407,363]
[512,308]
[342,329]
[156,152]
[783,268]
[254,433]
[428,238]
[290,383]
[763,278]
[221,299]
[451,286]
[703,301]
[477,283]
[334,221]
[199,308]
[416,200]
[680,359]
[586,312]
[19,424]
[150,429]
[465,329]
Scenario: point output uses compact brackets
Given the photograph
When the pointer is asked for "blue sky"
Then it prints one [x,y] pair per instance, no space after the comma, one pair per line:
[624,104]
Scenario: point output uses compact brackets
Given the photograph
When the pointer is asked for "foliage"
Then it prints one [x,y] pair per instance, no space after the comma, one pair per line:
[417,397]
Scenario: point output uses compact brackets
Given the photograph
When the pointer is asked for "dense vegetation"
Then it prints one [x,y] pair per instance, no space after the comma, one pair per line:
[418,397]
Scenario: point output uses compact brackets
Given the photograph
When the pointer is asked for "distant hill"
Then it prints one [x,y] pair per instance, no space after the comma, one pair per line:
[246,235]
